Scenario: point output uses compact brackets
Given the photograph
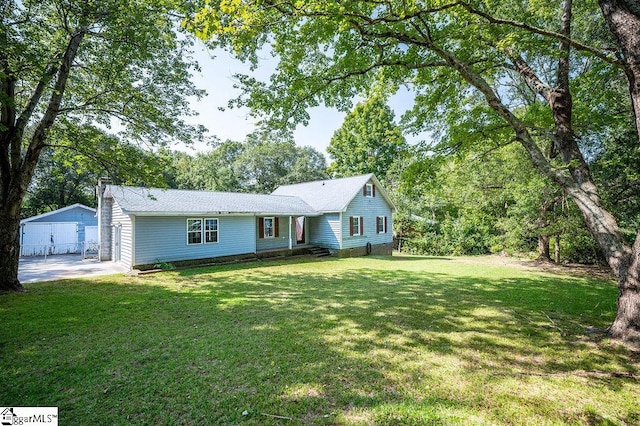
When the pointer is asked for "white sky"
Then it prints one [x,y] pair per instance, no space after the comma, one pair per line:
[216,78]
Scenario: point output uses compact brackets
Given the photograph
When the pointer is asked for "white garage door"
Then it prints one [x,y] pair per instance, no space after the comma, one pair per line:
[50,238]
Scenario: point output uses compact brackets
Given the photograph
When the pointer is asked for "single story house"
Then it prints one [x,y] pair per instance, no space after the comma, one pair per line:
[140,227]
[71,229]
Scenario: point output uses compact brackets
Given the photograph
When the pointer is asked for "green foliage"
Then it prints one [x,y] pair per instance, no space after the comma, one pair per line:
[165,266]
[257,166]
[75,159]
[617,168]
[367,142]
[492,203]
[131,72]
[329,51]
[263,166]
[580,247]
[213,170]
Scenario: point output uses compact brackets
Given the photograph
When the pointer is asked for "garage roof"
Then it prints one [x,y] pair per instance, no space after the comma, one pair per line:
[62,210]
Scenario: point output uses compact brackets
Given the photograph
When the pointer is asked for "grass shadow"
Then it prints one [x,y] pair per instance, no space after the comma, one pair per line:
[353,341]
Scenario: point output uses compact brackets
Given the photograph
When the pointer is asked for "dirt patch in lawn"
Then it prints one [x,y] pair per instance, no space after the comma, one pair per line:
[572,269]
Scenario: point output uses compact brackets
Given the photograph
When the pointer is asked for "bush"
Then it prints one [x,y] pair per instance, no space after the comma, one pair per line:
[455,237]
[580,248]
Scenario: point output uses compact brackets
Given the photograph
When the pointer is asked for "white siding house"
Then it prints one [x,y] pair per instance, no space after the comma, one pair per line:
[139,227]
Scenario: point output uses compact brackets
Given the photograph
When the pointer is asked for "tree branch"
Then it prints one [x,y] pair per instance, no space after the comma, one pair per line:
[25,116]
[36,144]
[552,34]
[530,77]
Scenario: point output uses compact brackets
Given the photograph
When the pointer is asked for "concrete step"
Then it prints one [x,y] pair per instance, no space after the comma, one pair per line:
[319,251]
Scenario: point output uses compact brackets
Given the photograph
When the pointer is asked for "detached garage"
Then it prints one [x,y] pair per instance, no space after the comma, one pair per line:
[72,229]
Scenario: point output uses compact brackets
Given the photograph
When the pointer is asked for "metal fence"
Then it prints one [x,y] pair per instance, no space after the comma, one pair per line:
[87,249]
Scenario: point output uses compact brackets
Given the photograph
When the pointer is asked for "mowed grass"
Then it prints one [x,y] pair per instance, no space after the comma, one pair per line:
[402,340]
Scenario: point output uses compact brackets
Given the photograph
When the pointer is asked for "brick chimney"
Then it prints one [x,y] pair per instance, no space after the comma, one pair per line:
[104,220]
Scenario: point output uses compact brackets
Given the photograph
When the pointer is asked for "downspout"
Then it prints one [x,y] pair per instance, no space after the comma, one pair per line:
[99,192]
[255,234]
[133,241]
[340,231]
[290,241]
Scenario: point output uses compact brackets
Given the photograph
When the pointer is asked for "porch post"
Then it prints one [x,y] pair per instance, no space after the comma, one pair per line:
[290,241]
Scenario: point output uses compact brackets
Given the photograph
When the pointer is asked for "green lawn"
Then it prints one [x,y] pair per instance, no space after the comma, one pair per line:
[402,340]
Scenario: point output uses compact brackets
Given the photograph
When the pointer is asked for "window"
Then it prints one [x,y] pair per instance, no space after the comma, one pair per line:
[381,224]
[369,190]
[356,226]
[269,227]
[202,230]
[194,231]
[211,230]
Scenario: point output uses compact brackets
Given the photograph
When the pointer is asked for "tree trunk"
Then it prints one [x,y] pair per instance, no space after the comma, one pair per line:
[623,260]
[626,326]
[557,249]
[623,19]
[543,248]
[9,250]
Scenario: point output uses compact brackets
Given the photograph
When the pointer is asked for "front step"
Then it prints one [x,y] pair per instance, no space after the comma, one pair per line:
[319,251]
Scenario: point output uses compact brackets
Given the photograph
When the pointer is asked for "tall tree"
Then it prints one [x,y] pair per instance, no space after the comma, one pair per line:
[453,54]
[264,165]
[212,170]
[369,141]
[623,19]
[71,163]
[111,62]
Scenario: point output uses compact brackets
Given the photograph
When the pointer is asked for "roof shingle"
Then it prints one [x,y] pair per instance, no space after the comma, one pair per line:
[331,195]
[140,201]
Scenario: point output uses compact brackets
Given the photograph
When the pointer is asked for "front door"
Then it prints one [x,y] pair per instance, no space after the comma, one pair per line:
[300,237]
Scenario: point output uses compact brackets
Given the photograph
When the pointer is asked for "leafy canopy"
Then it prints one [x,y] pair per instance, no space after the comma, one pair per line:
[331,51]
[368,141]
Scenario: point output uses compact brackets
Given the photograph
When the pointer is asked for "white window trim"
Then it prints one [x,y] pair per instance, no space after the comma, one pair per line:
[193,232]
[204,230]
[273,227]
[356,229]
[203,233]
[384,225]
[369,190]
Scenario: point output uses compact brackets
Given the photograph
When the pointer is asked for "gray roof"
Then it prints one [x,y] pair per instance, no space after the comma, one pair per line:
[332,195]
[63,209]
[154,201]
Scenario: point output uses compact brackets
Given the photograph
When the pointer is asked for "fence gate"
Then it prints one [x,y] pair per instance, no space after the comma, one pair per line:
[91,239]
[39,238]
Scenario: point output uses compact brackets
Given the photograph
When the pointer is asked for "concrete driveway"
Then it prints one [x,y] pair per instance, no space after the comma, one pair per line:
[57,267]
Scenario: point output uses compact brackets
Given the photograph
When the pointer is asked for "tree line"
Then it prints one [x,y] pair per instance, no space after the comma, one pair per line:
[64,176]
